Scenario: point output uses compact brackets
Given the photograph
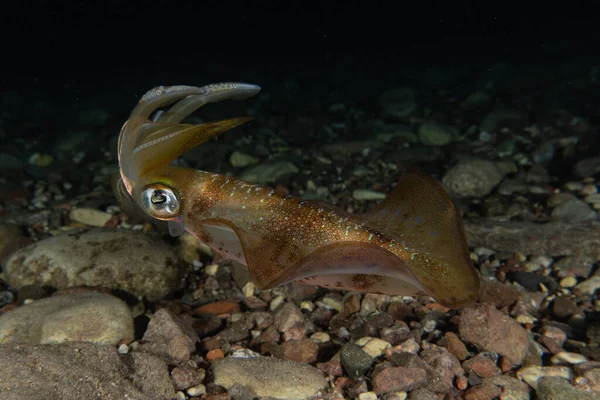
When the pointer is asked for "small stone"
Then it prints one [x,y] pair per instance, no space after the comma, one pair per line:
[288,317]
[320,337]
[367,396]
[486,327]
[184,377]
[568,357]
[91,217]
[218,308]
[196,391]
[456,346]
[399,379]
[483,364]
[551,388]
[376,347]
[123,349]
[568,282]
[215,354]
[276,302]
[241,160]
[249,289]
[355,360]
[169,336]
[589,286]
[211,269]
[533,373]
[304,351]
[367,194]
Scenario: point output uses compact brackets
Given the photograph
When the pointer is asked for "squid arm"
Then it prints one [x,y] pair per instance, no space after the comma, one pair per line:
[412,243]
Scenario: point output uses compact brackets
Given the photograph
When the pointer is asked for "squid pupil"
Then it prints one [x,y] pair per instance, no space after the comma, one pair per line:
[158,197]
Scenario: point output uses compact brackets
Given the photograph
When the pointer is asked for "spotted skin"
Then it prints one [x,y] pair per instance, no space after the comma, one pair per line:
[412,243]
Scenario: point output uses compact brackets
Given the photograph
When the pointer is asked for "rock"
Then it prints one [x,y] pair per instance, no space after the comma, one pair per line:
[432,134]
[574,210]
[355,360]
[84,316]
[388,132]
[169,336]
[553,239]
[351,148]
[490,330]
[124,260]
[185,376]
[475,100]
[551,388]
[241,160]
[499,118]
[589,286]
[533,373]
[81,371]
[483,364]
[587,167]
[9,162]
[366,194]
[474,178]
[8,233]
[91,217]
[265,376]
[397,103]
[289,316]
[304,351]
[399,379]
[269,172]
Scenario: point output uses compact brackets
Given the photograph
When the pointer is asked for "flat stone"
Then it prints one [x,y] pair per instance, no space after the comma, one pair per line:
[126,260]
[489,329]
[81,371]
[84,316]
[269,377]
[553,239]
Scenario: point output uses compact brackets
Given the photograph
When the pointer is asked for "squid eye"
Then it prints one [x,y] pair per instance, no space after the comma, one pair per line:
[161,202]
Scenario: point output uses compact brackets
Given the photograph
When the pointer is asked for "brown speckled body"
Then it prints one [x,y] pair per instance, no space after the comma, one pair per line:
[412,243]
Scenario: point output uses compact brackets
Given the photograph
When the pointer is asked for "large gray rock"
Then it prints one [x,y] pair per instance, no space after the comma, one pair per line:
[81,371]
[87,316]
[126,260]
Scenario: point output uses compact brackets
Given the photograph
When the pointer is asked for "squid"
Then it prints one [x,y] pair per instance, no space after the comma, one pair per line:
[413,243]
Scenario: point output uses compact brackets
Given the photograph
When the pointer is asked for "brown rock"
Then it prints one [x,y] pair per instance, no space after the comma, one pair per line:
[489,329]
[289,316]
[484,391]
[304,351]
[218,308]
[185,376]
[484,365]
[168,336]
[399,379]
[456,346]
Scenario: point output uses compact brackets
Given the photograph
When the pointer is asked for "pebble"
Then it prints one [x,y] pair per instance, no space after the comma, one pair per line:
[374,347]
[355,360]
[474,178]
[80,316]
[568,357]
[367,396]
[91,217]
[197,390]
[241,160]
[170,337]
[367,194]
[489,329]
[533,373]
[320,337]
[568,282]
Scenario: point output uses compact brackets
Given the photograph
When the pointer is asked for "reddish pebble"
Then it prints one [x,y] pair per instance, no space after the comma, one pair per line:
[218,308]
[215,354]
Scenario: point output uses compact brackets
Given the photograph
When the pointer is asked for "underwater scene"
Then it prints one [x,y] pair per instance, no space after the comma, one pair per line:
[308,220]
